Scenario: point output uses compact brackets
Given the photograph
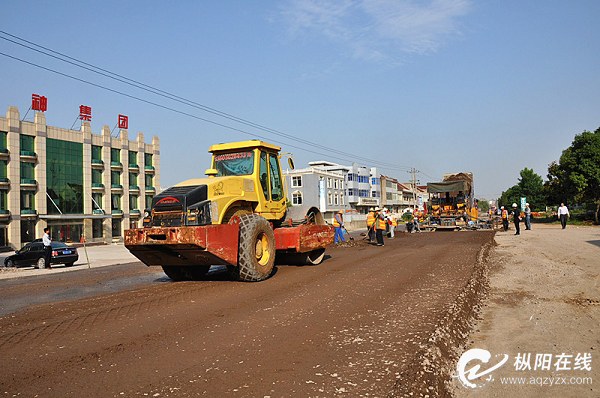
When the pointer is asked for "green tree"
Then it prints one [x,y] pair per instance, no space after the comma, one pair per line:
[510,196]
[530,186]
[576,177]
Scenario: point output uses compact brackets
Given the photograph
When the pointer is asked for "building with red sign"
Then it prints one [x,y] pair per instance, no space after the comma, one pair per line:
[76,183]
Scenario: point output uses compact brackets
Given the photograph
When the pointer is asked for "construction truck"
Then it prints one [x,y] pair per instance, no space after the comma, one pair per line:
[237,216]
[452,201]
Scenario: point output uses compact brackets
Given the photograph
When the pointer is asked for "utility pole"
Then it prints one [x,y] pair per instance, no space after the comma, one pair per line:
[414,172]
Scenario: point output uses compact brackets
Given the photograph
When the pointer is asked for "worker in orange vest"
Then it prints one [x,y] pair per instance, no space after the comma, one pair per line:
[380,227]
[370,222]
[393,225]
[504,218]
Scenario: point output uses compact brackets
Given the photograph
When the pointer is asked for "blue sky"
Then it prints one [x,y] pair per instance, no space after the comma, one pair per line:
[489,87]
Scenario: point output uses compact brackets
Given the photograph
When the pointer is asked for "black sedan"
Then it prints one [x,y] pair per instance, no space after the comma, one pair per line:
[33,254]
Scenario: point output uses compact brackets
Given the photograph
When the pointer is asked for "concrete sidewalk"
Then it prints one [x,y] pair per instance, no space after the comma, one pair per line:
[99,256]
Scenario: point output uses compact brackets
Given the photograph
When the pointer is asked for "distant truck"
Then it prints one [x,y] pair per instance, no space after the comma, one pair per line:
[237,216]
[452,200]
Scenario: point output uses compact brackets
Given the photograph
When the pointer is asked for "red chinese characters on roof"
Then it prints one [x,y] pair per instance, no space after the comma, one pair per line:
[39,103]
[85,113]
[123,122]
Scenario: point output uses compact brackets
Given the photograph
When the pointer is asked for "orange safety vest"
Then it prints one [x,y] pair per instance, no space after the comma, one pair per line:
[504,213]
[394,222]
[336,223]
[370,219]
[381,224]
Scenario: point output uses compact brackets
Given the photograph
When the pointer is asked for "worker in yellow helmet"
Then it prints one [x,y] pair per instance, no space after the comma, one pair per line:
[338,223]
[370,224]
[380,227]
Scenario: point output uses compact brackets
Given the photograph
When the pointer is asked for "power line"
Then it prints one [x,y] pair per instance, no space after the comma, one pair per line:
[178,111]
[173,97]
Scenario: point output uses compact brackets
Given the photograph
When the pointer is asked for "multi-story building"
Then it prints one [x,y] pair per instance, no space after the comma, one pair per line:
[316,187]
[361,184]
[390,196]
[332,187]
[74,182]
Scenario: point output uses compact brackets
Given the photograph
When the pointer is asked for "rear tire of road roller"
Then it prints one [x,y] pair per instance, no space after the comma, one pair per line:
[256,249]
[186,273]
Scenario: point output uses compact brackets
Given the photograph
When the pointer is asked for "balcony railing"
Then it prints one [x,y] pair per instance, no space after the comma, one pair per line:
[116,186]
[97,162]
[28,153]
[116,164]
[150,189]
[149,168]
[28,181]
[116,212]
[28,211]
[97,185]
[134,188]
[98,211]
[133,166]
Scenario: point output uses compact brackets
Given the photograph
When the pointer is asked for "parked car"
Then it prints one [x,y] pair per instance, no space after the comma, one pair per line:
[33,254]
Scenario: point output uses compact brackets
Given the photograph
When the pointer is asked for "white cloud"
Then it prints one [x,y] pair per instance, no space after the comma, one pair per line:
[377,30]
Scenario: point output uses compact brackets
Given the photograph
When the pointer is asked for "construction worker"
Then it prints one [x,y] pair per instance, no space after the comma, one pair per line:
[370,222]
[504,218]
[338,223]
[516,213]
[380,227]
[393,225]
[416,221]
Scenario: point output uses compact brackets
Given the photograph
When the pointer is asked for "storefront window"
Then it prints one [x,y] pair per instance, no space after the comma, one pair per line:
[67,233]
[97,228]
[27,230]
[116,227]
[64,176]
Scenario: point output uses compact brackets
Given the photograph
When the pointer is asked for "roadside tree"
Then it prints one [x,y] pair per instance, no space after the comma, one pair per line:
[530,186]
[576,177]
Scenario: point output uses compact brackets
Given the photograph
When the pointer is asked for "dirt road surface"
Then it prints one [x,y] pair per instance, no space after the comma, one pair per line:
[356,325]
[543,302]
